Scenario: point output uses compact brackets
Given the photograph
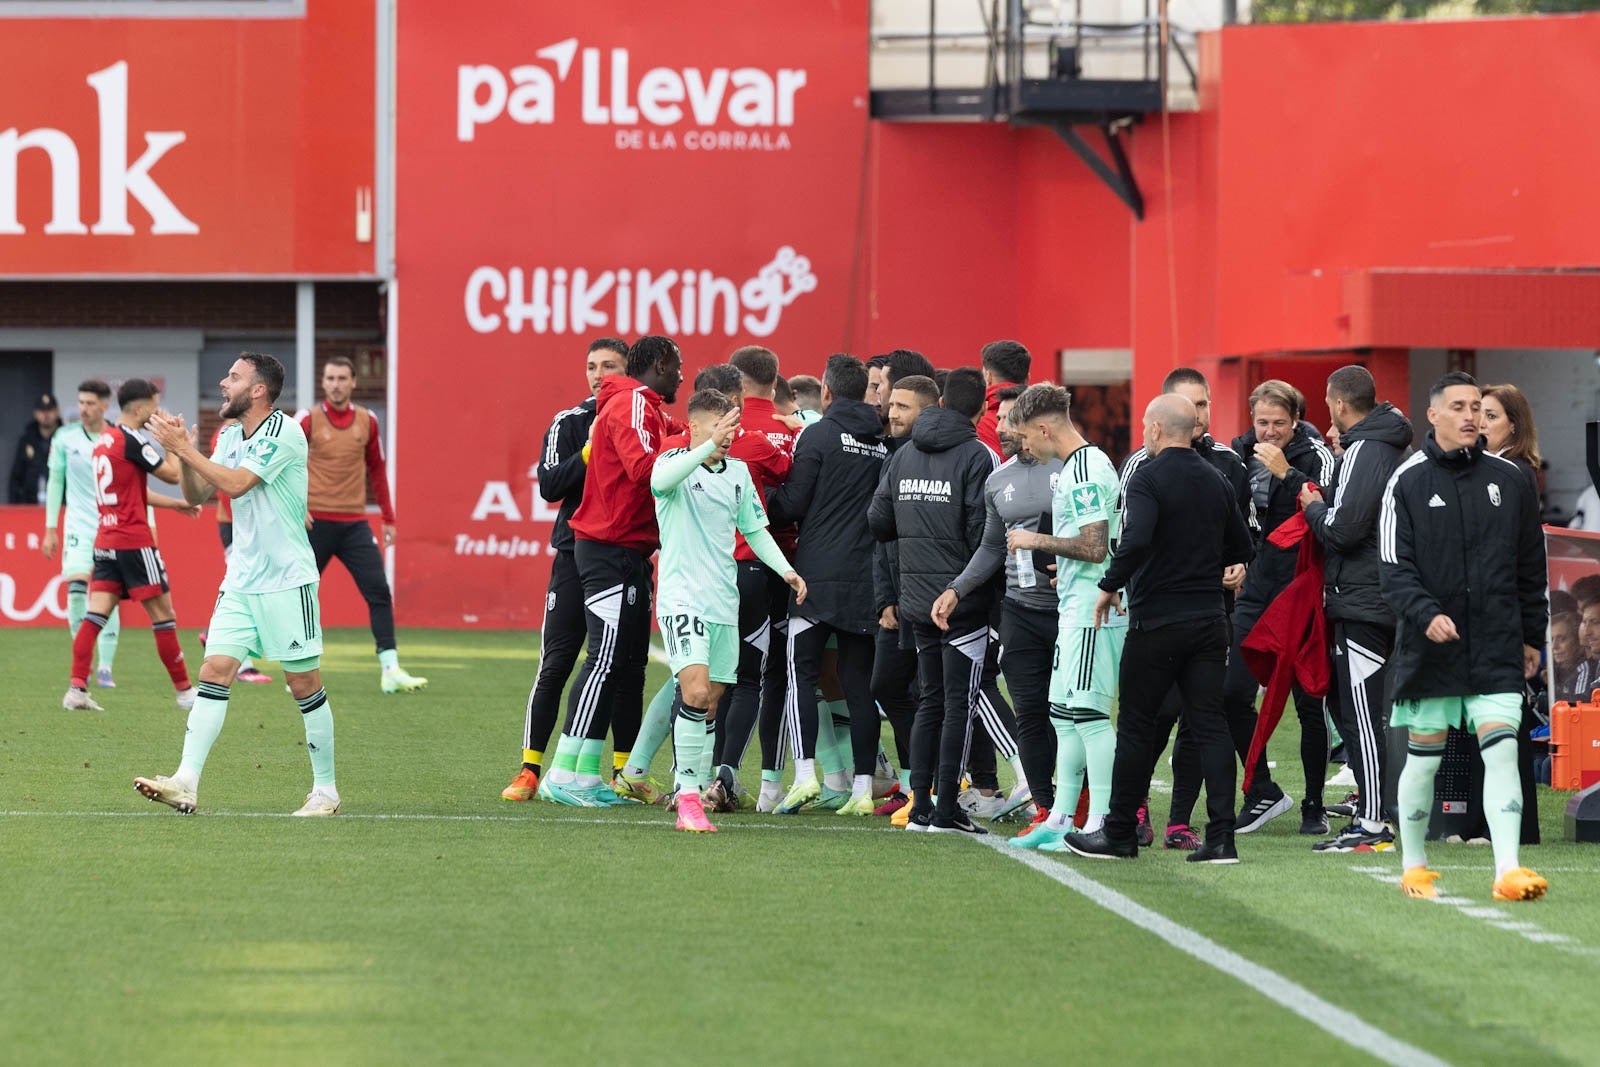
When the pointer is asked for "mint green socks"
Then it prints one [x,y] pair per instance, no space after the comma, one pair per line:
[589,751]
[77,605]
[564,765]
[106,644]
[318,718]
[1071,758]
[205,723]
[658,722]
[1502,796]
[1100,753]
[691,748]
[1414,798]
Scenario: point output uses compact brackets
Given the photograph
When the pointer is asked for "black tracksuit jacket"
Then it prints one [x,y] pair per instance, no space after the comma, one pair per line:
[1459,535]
[562,469]
[837,463]
[1345,521]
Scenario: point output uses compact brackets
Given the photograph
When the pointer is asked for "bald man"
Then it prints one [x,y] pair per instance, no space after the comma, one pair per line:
[1180,529]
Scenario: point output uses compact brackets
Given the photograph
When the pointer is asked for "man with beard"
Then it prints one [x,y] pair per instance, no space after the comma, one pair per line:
[894,663]
[268,605]
[1283,456]
[931,501]
[1018,501]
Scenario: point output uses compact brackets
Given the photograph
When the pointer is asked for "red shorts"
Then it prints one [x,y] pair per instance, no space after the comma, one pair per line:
[131,573]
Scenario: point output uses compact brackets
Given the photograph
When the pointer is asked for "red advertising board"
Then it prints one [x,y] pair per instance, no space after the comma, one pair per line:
[33,593]
[567,172]
[188,147]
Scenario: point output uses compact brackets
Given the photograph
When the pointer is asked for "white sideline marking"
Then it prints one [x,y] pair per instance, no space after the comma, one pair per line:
[1491,915]
[665,822]
[1351,1029]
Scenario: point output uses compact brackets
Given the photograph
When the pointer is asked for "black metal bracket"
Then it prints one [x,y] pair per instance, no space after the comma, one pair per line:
[1117,174]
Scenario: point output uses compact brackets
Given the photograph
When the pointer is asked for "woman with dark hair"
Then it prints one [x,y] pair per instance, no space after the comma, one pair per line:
[1508,429]
[1508,432]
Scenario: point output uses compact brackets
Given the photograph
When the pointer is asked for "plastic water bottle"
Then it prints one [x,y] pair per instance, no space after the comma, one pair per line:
[1026,578]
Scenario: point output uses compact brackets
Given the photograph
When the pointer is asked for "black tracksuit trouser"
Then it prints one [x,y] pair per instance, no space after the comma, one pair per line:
[1192,656]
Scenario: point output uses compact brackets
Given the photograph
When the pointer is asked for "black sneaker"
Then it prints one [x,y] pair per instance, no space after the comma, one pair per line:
[919,821]
[1261,810]
[1313,824]
[1313,818]
[1219,852]
[959,823]
[1097,846]
[1356,839]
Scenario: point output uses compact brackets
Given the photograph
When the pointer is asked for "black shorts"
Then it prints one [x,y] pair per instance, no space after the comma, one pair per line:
[130,573]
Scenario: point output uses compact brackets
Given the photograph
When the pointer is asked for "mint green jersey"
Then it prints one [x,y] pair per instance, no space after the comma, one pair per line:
[72,459]
[697,517]
[270,548]
[1088,491]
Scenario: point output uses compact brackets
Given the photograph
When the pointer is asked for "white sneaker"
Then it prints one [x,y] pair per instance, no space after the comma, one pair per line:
[1346,778]
[80,700]
[319,803]
[983,807]
[187,697]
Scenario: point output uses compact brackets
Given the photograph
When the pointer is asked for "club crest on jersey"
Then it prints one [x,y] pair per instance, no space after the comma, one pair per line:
[1054,479]
[1086,499]
[1494,493]
[550,601]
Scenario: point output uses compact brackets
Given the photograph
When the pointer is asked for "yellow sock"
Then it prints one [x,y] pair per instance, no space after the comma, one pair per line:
[619,760]
[534,756]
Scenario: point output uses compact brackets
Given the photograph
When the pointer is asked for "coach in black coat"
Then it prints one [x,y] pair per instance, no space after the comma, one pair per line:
[931,503]
[837,463]
[1460,539]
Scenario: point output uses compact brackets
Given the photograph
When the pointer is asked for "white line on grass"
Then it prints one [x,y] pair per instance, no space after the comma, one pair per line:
[1347,1027]
[1491,915]
[665,822]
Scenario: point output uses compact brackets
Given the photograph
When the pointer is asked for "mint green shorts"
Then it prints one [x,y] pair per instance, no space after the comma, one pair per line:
[1435,715]
[285,625]
[1084,672]
[77,553]
[691,640]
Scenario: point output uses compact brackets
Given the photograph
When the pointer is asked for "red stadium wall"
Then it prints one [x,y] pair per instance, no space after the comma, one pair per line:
[1345,192]
[32,592]
[583,163]
[1382,185]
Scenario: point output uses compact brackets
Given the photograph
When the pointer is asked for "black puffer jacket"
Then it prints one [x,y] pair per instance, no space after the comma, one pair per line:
[1345,521]
[931,501]
[837,461]
[1276,500]
[1459,535]
[886,554]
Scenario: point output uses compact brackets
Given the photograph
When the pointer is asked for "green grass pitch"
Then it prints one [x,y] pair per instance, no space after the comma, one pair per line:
[436,923]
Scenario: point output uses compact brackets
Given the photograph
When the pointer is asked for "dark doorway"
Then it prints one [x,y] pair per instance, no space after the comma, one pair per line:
[24,378]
